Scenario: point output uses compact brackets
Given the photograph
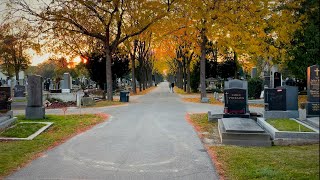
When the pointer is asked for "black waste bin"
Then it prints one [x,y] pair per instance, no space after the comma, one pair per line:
[124,96]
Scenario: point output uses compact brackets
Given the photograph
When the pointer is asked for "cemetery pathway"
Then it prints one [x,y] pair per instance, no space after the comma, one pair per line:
[148,139]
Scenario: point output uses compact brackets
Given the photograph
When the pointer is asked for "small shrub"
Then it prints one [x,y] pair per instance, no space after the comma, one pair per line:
[255,88]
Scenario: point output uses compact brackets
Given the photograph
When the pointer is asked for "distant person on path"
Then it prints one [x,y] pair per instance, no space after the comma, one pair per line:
[169,87]
[172,86]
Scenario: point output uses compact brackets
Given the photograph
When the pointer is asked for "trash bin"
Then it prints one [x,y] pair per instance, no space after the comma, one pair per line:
[124,96]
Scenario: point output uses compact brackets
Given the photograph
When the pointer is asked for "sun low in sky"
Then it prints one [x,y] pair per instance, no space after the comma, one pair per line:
[40,58]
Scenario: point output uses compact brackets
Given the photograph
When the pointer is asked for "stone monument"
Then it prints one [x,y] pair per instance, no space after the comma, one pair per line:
[313,103]
[35,109]
[281,102]
[6,114]
[236,99]
[66,83]
[236,127]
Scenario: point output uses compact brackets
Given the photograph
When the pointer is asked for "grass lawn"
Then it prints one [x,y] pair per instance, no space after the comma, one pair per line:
[276,162]
[105,103]
[20,100]
[15,154]
[181,91]
[287,125]
[22,130]
[198,100]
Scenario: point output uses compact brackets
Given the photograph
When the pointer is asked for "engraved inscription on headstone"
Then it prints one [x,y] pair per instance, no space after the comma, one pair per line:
[312,107]
[276,99]
[235,101]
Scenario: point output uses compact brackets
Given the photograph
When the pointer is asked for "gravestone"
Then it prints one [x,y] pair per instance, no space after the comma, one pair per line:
[35,109]
[236,99]
[275,99]
[313,103]
[66,83]
[6,114]
[254,72]
[19,91]
[276,79]
[5,105]
[281,102]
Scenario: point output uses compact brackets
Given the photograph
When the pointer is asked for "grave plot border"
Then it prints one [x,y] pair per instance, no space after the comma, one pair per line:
[290,137]
[32,136]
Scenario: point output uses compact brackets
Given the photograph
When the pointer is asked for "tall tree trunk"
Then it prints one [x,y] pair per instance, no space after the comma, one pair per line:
[188,78]
[109,75]
[145,79]
[150,78]
[184,74]
[133,67]
[235,58]
[203,63]
[17,75]
[180,72]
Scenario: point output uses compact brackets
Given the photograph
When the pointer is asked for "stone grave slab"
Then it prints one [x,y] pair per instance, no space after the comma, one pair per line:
[242,132]
[241,125]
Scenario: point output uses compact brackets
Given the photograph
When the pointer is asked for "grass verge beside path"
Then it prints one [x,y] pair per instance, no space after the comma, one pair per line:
[276,162]
[105,103]
[287,125]
[197,100]
[16,154]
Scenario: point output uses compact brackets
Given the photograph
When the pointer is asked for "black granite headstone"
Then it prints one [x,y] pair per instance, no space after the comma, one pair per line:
[19,91]
[312,107]
[276,79]
[235,101]
[275,98]
[4,97]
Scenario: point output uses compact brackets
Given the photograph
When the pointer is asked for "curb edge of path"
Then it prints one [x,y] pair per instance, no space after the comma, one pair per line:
[213,156]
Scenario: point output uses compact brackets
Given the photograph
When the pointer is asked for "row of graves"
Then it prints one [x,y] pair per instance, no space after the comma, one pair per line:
[34,110]
[239,126]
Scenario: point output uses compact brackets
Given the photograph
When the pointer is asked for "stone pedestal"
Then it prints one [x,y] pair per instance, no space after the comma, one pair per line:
[6,119]
[35,112]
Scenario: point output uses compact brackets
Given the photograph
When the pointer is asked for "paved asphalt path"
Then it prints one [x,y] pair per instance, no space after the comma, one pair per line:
[148,139]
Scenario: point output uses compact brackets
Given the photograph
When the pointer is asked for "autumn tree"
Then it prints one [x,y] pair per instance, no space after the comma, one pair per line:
[15,39]
[111,22]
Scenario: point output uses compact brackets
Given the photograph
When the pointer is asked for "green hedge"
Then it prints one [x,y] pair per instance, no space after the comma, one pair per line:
[255,86]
